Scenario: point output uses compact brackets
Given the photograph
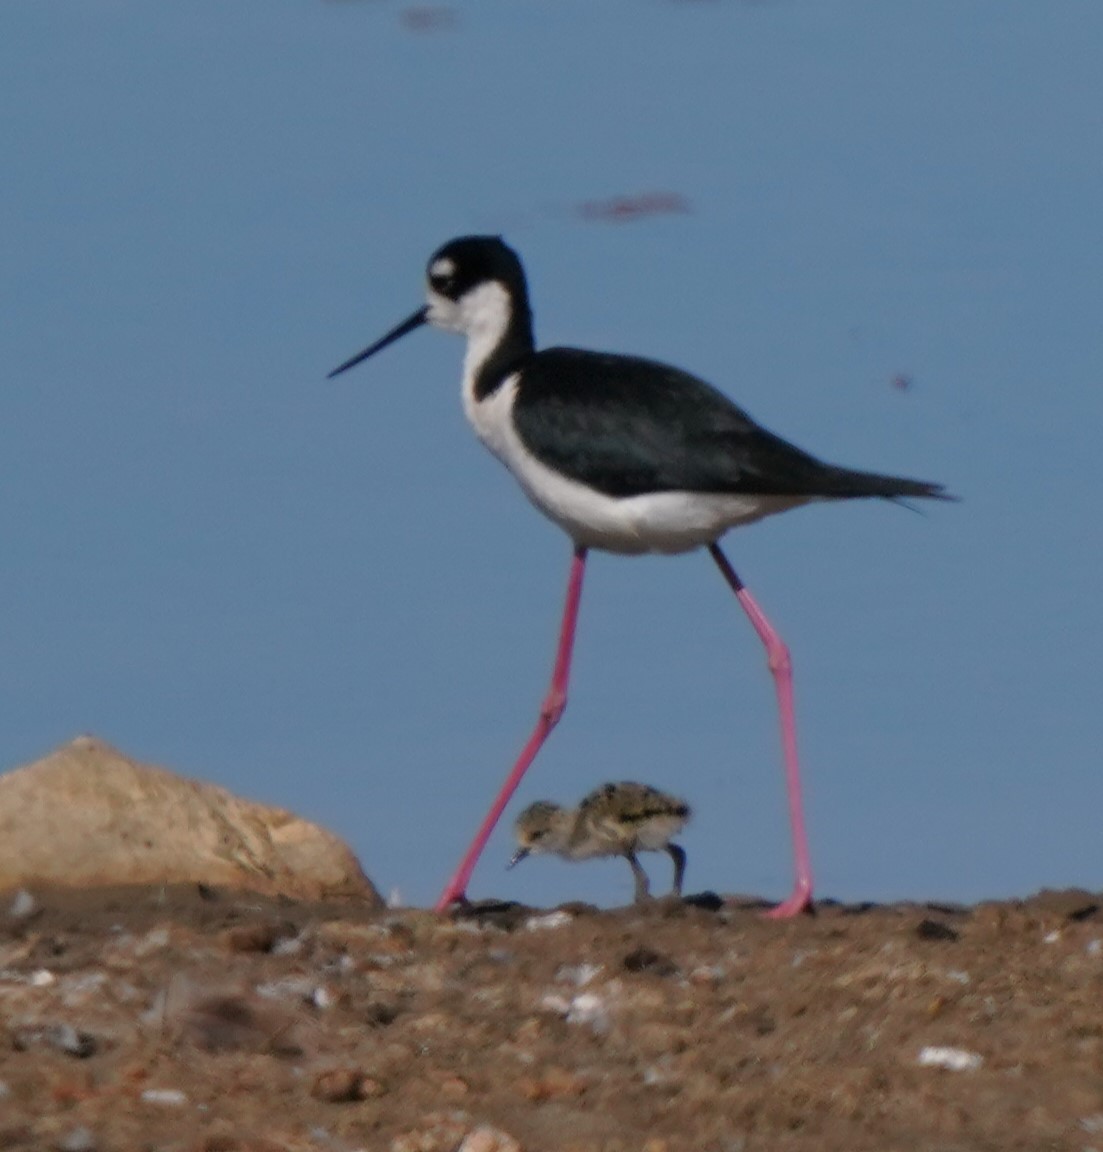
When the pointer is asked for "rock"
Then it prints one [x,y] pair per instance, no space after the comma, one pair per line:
[88,816]
[935,930]
[23,905]
[552,1083]
[228,1022]
[79,1139]
[339,1085]
[258,936]
[1067,903]
[646,960]
[61,1037]
[65,1038]
[346,1086]
[487,1139]
[164,1097]
[437,1132]
[954,1059]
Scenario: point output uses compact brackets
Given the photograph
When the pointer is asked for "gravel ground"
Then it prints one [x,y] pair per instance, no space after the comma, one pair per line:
[189,1019]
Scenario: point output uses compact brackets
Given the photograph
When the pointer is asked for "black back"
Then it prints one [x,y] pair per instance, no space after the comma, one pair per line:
[626,426]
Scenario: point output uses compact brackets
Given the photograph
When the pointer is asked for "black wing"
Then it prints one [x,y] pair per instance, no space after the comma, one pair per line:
[627,426]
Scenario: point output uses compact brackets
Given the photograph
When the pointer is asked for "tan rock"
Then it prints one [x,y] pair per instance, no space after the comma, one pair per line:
[487,1139]
[344,1086]
[88,816]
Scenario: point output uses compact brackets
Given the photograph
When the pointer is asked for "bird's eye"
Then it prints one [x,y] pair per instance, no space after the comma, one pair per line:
[442,276]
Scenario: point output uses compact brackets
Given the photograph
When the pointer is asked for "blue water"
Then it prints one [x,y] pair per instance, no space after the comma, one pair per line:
[327,596]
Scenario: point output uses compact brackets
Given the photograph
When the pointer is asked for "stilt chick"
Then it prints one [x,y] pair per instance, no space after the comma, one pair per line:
[613,820]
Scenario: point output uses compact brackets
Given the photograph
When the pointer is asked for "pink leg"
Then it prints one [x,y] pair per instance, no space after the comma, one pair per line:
[550,711]
[777,656]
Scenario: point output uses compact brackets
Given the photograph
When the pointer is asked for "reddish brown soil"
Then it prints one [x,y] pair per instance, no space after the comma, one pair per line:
[671,1028]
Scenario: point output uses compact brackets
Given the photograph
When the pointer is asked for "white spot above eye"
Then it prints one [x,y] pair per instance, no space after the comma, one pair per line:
[442,267]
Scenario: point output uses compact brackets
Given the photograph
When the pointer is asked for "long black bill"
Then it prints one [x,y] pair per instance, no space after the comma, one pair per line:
[407,325]
[518,856]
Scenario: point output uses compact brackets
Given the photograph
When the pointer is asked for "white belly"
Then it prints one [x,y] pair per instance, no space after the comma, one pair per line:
[658,522]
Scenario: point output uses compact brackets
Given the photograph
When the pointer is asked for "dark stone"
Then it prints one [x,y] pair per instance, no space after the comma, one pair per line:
[935,930]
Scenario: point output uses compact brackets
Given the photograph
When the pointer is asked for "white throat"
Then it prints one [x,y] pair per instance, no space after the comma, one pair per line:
[483,315]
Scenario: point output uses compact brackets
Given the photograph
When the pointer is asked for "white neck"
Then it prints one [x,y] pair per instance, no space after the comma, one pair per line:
[484,317]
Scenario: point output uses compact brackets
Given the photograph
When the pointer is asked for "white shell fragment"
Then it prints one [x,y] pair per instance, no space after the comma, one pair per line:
[953,1059]
[23,905]
[589,1008]
[167,1097]
[550,920]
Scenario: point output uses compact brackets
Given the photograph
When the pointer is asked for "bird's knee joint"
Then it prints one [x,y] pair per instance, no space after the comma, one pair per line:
[553,707]
[779,659]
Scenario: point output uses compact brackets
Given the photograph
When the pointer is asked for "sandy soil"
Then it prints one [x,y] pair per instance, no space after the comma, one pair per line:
[194,1019]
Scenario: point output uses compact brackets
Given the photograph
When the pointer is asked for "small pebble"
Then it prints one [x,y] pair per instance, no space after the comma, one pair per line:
[657,1073]
[707,974]
[487,1139]
[560,1005]
[323,998]
[339,1085]
[43,978]
[550,1084]
[255,937]
[67,1039]
[589,1009]
[23,905]
[300,988]
[379,1014]
[647,960]
[578,974]
[551,920]
[935,930]
[288,946]
[453,1087]
[166,1097]
[372,1089]
[78,1140]
[153,941]
[953,1059]
[78,989]
[228,1023]
[437,1132]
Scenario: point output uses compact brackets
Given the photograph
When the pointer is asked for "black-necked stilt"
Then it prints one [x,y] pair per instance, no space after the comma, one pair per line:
[626,455]
[614,820]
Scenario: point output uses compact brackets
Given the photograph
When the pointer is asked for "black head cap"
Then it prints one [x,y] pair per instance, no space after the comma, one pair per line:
[461,264]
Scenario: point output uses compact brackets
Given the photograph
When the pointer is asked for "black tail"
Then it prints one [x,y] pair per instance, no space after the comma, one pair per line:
[844,483]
